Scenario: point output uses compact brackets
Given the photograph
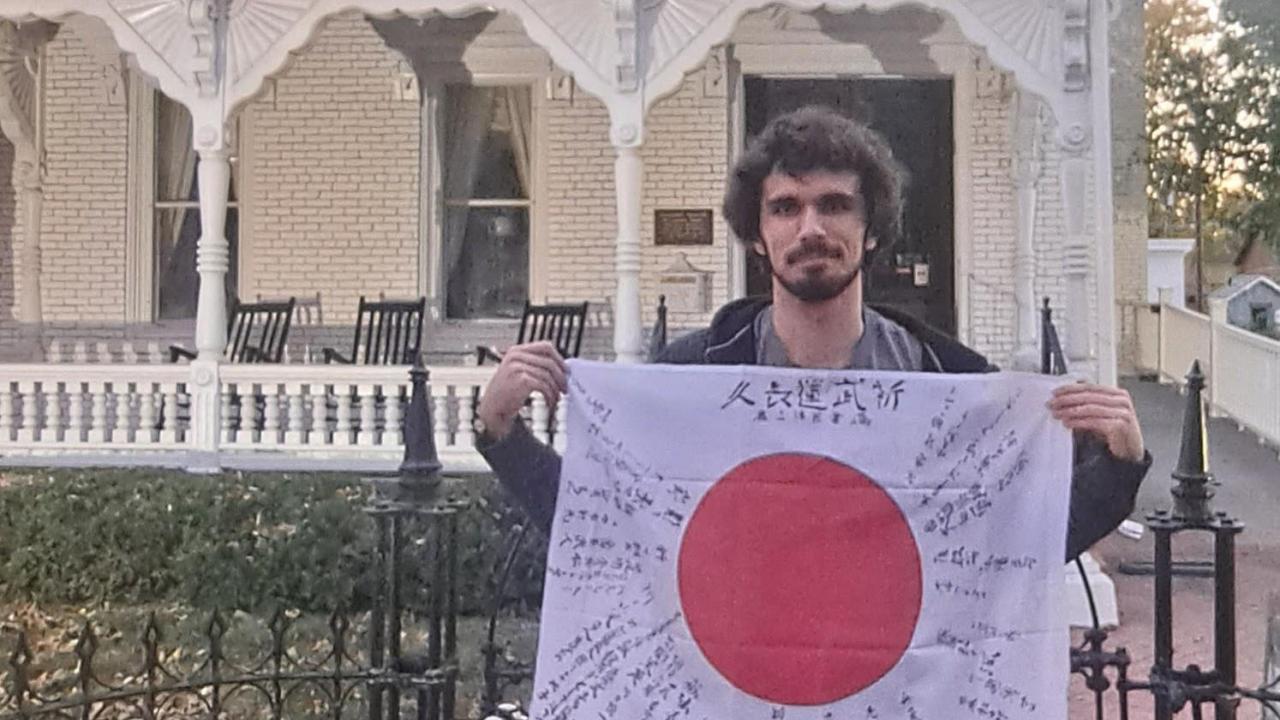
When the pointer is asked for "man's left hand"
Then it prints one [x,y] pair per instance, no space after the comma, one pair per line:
[1103,411]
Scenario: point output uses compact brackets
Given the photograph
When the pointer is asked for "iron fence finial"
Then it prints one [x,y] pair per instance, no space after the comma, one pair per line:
[1193,491]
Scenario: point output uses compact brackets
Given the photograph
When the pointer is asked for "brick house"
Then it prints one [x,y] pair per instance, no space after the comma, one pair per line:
[549,151]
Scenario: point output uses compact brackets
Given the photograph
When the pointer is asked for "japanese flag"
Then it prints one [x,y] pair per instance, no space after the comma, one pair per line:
[757,543]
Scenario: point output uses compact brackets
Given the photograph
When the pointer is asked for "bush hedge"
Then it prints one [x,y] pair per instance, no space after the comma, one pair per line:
[234,541]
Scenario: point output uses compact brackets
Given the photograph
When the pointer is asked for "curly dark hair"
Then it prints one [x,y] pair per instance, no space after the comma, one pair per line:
[810,139]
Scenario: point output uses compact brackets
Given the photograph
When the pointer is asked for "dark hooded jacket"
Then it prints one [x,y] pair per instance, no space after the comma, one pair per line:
[1103,488]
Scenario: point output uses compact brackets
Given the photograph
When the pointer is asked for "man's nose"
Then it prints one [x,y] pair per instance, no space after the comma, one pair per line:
[811,222]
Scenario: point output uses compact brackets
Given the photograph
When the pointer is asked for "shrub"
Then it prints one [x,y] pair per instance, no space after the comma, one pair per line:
[232,541]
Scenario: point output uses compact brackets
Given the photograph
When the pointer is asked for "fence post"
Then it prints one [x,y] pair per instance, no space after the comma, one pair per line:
[1165,299]
[205,391]
[1217,321]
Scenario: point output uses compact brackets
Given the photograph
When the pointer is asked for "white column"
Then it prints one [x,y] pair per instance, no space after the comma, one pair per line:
[212,253]
[212,261]
[629,187]
[1076,260]
[1100,67]
[30,311]
[1026,176]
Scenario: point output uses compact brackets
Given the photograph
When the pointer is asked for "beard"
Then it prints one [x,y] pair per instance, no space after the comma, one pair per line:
[817,286]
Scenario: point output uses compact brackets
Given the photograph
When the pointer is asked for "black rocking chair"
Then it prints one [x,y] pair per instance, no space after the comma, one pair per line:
[388,332]
[562,324]
[256,333]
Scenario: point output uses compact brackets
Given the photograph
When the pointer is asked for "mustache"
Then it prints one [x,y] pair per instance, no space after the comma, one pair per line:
[814,250]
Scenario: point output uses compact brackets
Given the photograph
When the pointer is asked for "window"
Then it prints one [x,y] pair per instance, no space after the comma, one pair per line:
[486,160]
[175,216]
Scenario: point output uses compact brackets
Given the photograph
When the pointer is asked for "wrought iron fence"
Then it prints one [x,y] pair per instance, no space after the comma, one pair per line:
[389,679]
[1173,688]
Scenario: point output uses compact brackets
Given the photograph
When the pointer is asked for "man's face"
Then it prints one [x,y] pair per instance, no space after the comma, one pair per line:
[813,231]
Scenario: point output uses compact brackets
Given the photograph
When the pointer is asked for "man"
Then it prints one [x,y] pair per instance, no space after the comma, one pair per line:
[816,194]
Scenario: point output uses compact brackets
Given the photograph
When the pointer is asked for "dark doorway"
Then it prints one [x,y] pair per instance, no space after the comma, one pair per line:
[916,275]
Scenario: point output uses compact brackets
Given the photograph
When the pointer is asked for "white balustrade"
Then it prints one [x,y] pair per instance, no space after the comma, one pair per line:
[368,432]
[30,411]
[318,412]
[51,431]
[6,411]
[557,440]
[539,417]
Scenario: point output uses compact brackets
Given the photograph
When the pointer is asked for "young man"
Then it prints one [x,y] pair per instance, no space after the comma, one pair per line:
[816,194]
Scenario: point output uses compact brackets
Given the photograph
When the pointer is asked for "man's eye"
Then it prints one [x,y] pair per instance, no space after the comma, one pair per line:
[785,207]
[836,204]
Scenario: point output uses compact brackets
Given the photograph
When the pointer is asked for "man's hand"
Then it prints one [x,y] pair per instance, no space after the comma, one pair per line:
[1105,412]
[525,369]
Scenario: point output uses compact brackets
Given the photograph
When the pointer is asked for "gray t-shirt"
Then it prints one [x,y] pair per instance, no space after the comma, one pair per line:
[884,345]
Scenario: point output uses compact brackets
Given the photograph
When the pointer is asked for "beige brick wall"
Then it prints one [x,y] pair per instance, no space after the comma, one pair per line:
[331,176]
[1129,161]
[83,230]
[330,191]
[992,311]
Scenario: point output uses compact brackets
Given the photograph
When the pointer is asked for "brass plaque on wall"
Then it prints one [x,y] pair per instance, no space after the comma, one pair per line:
[682,227]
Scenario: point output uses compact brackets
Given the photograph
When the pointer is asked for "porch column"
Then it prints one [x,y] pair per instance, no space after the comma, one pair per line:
[212,261]
[212,253]
[628,179]
[1026,176]
[31,196]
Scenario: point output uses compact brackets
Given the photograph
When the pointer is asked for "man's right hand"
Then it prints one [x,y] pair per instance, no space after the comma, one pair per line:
[525,369]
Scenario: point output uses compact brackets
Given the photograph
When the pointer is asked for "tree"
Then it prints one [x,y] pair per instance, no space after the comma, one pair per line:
[1213,104]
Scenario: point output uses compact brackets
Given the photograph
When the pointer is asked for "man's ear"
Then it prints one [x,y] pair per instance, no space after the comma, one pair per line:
[758,246]
[869,244]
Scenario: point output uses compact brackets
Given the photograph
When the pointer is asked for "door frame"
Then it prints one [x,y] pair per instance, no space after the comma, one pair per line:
[953,60]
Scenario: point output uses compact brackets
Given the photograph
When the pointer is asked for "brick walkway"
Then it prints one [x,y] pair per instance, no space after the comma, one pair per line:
[1249,474]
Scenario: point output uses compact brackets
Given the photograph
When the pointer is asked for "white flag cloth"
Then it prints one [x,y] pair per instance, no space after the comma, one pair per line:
[758,543]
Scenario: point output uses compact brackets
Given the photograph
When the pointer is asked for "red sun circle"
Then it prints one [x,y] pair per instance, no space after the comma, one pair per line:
[799,579]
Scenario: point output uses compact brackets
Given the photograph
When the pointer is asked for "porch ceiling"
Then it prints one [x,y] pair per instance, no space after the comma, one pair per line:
[629,53]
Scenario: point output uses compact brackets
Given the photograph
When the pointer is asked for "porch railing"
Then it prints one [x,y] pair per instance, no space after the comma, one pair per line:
[268,415]
[1241,368]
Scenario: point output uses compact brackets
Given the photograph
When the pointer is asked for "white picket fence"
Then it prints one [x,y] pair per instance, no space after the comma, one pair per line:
[265,416]
[1242,369]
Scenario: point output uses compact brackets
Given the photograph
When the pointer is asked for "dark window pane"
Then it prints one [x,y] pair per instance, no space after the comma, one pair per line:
[487,134]
[177,231]
[487,267]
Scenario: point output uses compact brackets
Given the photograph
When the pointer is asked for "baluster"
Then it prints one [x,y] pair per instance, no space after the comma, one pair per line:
[98,412]
[123,412]
[294,434]
[6,412]
[103,356]
[75,412]
[52,430]
[153,352]
[80,352]
[169,413]
[368,414]
[342,432]
[129,353]
[440,414]
[57,352]
[540,417]
[30,411]
[228,415]
[146,432]
[319,434]
[466,413]
[392,417]
[248,411]
[270,414]
[562,412]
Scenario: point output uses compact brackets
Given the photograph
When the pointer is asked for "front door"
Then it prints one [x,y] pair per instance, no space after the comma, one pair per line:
[915,275]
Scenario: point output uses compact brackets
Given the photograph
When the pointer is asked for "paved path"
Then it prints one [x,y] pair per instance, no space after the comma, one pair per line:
[1249,477]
